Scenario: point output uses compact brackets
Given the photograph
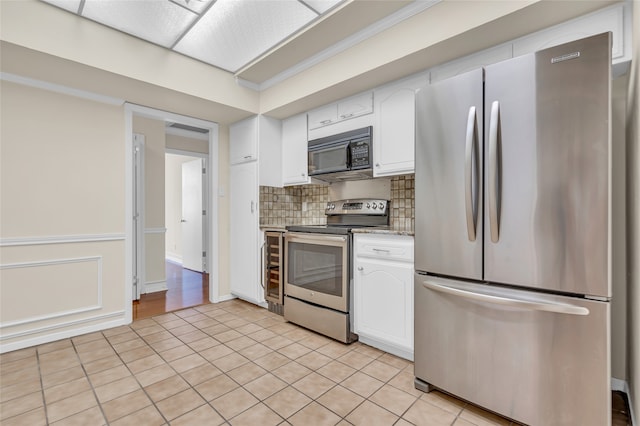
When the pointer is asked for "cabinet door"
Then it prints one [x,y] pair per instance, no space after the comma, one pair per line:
[356,106]
[294,150]
[383,296]
[243,141]
[394,133]
[323,116]
[270,151]
[244,253]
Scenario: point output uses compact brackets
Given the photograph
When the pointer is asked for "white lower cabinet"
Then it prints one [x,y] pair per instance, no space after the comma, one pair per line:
[383,292]
[244,252]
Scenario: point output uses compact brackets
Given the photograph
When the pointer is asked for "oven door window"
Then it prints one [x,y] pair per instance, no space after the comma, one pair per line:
[317,271]
[327,160]
[316,268]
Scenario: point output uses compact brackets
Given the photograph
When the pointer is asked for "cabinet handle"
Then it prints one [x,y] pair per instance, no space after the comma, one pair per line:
[304,174]
[360,268]
[346,115]
[325,121]
[377,164]
[246,157]
[253,206]
[381,250]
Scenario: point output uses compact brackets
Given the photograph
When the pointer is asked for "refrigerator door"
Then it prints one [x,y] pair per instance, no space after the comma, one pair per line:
[448,179]
[547,169]
[536,358]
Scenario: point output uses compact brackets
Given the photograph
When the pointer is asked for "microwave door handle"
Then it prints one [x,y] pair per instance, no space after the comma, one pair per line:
[348,157]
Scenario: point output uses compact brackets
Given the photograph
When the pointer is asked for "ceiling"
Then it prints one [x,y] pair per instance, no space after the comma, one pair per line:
[253,39]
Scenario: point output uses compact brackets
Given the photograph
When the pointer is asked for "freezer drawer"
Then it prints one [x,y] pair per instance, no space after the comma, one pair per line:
[536,358]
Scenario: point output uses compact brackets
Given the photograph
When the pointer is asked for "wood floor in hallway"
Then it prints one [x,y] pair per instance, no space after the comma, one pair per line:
[185,289]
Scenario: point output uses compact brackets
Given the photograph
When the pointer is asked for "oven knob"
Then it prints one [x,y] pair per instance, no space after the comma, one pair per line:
[375,206]
[368,205]
[381,206]
[333,206]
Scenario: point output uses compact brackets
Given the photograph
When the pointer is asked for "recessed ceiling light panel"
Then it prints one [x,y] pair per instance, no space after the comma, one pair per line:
[160,22]
[321,6]
[232,33]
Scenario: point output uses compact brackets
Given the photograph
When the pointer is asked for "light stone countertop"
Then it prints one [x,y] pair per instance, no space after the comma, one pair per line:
[368,230]
[383,230]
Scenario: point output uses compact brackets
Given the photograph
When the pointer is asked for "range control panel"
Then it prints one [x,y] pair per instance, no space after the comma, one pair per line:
[367,206]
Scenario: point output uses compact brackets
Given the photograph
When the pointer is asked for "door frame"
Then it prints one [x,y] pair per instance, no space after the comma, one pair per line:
[206,194]
[212,184]
[138,263]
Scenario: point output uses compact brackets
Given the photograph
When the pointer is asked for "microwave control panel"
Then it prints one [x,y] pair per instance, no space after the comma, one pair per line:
[359,154]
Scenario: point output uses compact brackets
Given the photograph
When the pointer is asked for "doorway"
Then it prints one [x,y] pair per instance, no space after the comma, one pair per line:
[208,265]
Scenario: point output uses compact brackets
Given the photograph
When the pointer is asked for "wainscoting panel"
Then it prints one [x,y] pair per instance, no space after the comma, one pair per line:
[55,288]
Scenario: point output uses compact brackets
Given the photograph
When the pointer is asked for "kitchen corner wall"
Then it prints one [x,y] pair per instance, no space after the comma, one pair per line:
[304,205]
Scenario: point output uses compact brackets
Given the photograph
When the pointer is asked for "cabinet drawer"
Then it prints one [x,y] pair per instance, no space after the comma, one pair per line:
[392,247]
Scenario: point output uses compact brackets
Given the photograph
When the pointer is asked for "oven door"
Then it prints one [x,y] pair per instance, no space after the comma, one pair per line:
[317,269]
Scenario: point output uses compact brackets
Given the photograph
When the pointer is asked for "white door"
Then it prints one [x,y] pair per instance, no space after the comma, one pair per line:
[192,215]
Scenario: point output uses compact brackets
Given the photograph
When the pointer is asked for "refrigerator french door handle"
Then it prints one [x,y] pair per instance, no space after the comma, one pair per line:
[471,159]
[494,135]
[561,308]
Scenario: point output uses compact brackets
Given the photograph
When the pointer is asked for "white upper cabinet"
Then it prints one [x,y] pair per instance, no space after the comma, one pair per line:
[609,19]
[346,114]
[243,141]
[258,138]
[355,106]
[394,130]
[471,62]
[323,116]
[294,150]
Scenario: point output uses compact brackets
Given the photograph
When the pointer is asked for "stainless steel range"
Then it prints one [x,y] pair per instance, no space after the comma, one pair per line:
[318,274]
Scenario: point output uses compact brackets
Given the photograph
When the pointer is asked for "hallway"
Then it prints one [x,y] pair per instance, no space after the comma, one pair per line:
[185,289]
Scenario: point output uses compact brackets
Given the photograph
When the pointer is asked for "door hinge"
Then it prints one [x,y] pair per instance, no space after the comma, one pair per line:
[204,212]
[204,171]
[204,254]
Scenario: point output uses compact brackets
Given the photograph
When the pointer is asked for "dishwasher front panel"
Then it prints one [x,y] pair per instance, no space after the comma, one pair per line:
[537,358]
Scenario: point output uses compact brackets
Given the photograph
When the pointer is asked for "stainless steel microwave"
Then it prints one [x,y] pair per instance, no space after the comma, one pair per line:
[344,156]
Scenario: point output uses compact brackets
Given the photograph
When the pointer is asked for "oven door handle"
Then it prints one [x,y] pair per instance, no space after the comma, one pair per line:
[324,238]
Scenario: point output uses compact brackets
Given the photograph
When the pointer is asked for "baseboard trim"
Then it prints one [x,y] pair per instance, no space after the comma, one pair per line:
[172,257]
[155,286]
[52,337]
[623,386]
[619,385]
[223,298]
[392,349]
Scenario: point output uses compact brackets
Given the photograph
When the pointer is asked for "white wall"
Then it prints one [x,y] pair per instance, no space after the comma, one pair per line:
[62,219]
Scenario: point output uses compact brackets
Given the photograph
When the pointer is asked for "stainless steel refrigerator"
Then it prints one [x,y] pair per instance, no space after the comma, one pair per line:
[512,236]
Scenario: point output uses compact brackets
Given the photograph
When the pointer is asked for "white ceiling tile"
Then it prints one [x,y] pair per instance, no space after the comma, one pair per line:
[70,5]
[158,21]
[196,5]
[321,6]
[234,32]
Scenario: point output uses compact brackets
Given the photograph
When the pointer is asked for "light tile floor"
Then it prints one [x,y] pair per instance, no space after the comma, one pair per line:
[228,363]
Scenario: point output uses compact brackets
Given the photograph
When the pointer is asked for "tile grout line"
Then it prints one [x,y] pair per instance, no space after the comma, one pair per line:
[44,401]
[86,375]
